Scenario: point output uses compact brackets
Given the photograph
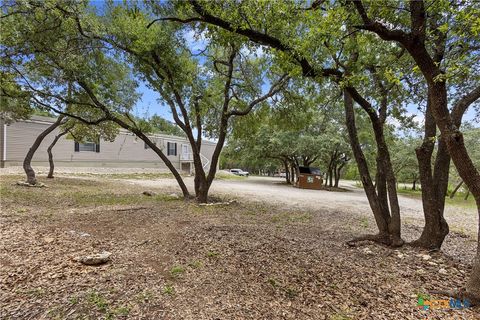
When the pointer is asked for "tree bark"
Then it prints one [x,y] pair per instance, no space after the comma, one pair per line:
[454,141]
[339,171]
[50,154]
[434,186]
[27,162]
[287,174]
[414,42]
[293,177]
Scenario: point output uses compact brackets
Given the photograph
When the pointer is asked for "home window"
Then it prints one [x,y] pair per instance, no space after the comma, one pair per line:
[87,146]
[171,148]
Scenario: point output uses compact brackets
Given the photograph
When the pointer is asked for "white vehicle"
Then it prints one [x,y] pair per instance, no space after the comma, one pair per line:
[239,172]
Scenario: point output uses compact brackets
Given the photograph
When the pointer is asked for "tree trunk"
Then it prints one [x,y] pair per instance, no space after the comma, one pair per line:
[382,218]
[434,186]
[200,179]
[50,155]
[292,173]
[330,179]
[453,138]
[389,202]
[202,192]
[456,189]
[297,170]
[287,174]
[339,171]
[27,162]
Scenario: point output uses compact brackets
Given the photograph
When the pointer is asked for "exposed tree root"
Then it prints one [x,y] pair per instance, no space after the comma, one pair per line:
[378,238]
[422,245]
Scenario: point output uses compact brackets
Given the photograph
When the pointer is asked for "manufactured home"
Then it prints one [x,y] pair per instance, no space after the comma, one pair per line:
[126,151]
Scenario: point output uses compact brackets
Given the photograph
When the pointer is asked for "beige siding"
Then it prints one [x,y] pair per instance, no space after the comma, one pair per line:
[126,148]
[2,142]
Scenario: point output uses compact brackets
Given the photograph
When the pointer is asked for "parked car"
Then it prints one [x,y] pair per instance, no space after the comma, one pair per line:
[239,172]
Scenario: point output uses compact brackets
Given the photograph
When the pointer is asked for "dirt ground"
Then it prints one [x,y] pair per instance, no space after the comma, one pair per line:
[172,259]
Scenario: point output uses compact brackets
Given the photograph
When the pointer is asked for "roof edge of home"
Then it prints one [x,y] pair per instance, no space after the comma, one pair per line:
[44,119]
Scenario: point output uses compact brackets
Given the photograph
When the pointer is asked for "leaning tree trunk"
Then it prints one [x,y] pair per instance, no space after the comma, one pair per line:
[456,189]
[50,154]
[27,162]
[158,151]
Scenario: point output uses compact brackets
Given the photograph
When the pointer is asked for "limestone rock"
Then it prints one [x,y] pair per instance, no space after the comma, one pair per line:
[367,251]
[443,271]
[48,239]
[94,259]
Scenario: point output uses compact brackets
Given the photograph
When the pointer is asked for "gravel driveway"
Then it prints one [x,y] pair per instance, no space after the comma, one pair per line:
[274,191]
[463,220]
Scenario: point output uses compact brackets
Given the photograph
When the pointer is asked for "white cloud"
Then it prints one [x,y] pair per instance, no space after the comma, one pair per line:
[195,40]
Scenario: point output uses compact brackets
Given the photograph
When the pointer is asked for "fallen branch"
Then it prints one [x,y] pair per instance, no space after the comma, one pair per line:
[26,184]
[131,209]
[217,203]
[142,243]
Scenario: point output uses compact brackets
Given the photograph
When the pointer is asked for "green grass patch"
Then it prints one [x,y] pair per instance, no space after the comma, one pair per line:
[168,289]
[364,223]
[176,271]
[222,175]
[98,300]
[138,176]
[195,264]
[212,254]
[291,217]
[458,200]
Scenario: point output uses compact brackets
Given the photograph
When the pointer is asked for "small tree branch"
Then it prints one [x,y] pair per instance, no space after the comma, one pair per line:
[274,89]
[462,105]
